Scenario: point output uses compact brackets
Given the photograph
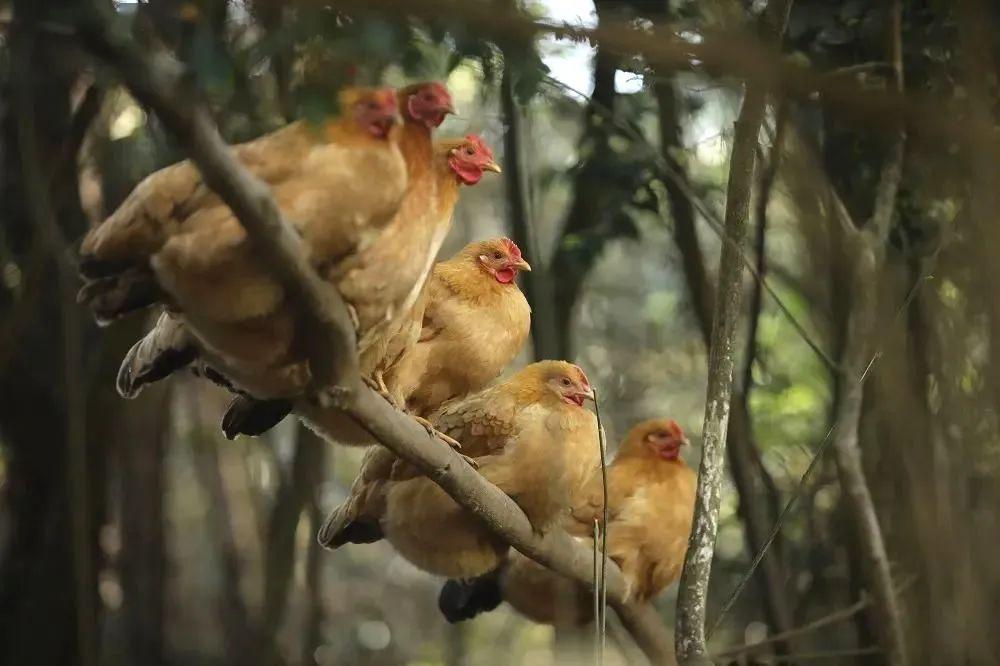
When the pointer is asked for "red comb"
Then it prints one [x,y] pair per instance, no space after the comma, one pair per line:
[512,248]
[439,89]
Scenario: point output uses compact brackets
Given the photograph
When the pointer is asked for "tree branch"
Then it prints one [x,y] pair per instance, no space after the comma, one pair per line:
[720,53]
[537,286]
[158,81]
[821,623]
[693,591]
[742,451]
[295,492]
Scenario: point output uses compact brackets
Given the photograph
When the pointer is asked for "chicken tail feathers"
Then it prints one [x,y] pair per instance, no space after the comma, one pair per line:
[333,536]
[146,362]
[110,298]
[249,416]
[93,267]
[465,599]
[343,526]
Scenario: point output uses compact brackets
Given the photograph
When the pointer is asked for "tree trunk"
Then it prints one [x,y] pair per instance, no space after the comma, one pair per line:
[748,476]
[571,262]
[141,445]
[692,595]
[48,570]
[294,494]
[548,338]
[240,637]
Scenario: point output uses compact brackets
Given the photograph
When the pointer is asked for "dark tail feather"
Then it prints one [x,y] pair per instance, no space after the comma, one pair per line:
[93,268]
[112,297]
[166,348]
[137,370]
[340,528]
[356,532]
[248,416]
[465,599]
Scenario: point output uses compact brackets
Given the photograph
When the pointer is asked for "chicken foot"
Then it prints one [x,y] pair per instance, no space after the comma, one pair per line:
[377,383]
[450,441]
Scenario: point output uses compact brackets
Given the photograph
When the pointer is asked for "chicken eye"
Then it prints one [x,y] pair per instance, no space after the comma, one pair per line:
[470,151]
[565,382]
[497,255]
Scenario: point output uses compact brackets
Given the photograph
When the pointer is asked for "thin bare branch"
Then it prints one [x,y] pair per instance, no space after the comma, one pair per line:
[817,624]
[821,623]
[602,445]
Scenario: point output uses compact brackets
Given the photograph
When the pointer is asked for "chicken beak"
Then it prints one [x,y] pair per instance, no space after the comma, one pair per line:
[492,166]
[589,395]
[522,265]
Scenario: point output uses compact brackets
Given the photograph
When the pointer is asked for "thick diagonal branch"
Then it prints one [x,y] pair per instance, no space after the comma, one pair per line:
[158,81]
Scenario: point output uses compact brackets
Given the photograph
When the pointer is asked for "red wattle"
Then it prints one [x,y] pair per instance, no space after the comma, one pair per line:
[506,275]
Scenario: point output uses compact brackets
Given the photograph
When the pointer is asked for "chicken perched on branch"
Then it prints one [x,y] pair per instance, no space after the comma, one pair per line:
[475,321]
[650,508]
[321,179]
[522,432]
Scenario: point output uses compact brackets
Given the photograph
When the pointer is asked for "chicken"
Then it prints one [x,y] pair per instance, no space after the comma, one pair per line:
[475,321]
[257,353]
[456,162]
[522,433]
[320,177]
[651,495]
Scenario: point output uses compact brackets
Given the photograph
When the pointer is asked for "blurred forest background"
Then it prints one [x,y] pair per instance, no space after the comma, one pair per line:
[133,533]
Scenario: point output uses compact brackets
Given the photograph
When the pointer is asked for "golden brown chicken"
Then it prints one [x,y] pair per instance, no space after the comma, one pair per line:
[475,321]
[650,507]
[521,433]
[320,177]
